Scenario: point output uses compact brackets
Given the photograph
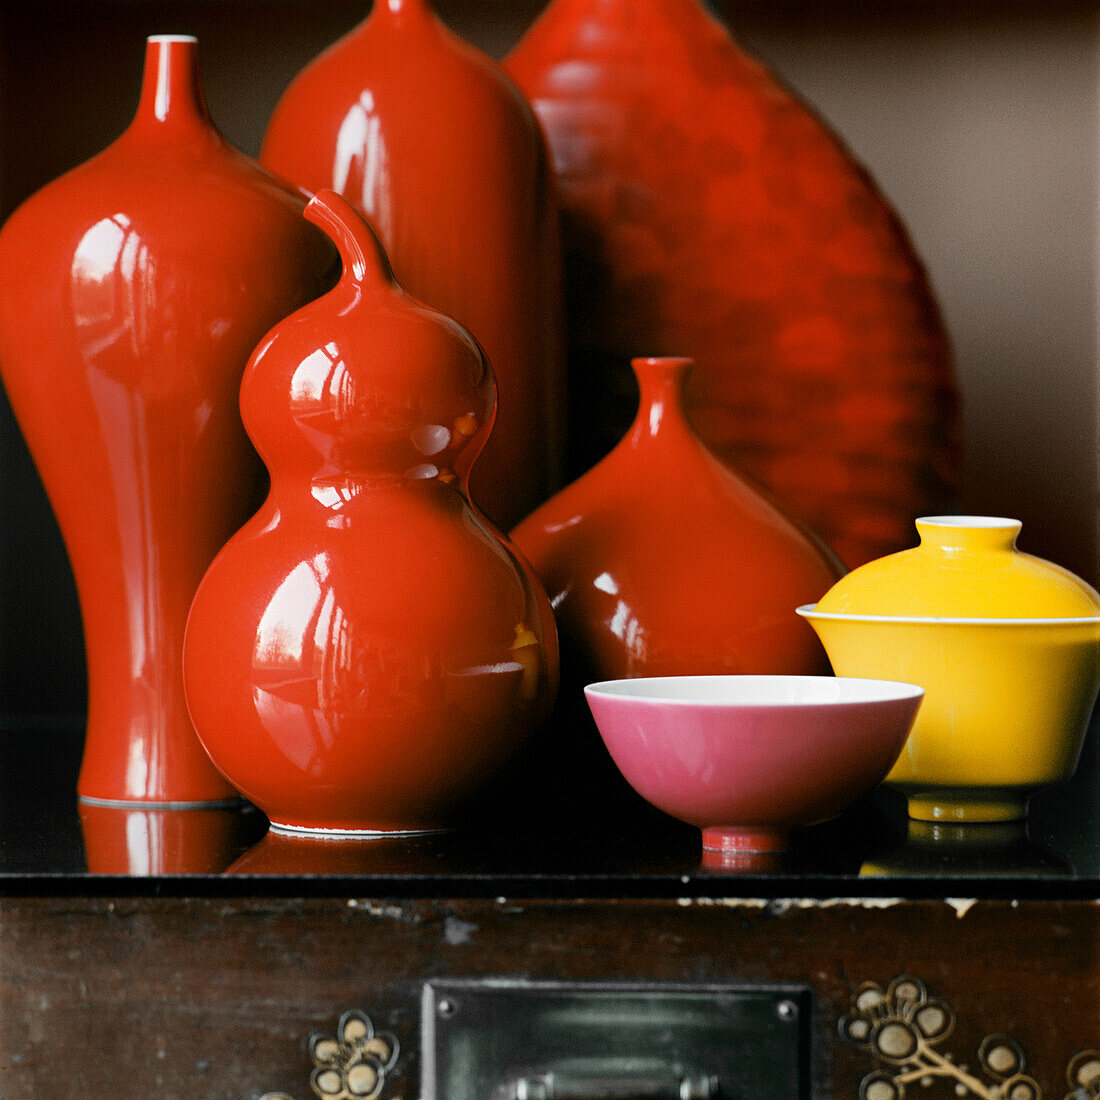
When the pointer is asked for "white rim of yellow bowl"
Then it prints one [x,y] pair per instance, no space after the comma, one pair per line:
[809,611]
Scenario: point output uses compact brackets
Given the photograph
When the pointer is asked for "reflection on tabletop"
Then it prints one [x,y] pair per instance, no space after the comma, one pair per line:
[948,849]
[120,840]
[44,831]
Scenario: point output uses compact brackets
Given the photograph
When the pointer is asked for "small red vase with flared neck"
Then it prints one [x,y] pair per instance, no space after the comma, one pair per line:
[132,291]
[660,561]
[706,211]
[367,656]
[433,143]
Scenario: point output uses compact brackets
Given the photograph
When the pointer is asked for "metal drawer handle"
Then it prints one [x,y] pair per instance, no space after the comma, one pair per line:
[558,1086]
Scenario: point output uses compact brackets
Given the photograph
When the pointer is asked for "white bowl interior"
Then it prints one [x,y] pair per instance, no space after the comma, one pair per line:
[756,691]
[989,522]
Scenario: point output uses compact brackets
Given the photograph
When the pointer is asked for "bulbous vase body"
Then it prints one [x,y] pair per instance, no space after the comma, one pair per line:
[707,212]
[661,562]
[367,655]
[430,140]
[132,291]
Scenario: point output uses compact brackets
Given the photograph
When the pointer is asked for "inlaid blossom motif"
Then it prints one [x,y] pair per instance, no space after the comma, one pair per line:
[1084,1076]
[352,1064]
[903,1026]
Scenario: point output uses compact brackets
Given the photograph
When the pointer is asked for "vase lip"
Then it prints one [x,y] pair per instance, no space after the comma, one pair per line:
[171,88]
[668,362]
[399,8]
[658,372]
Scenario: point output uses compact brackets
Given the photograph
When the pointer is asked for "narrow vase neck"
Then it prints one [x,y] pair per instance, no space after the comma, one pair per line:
[171,89]
[618,11]
[957,534]
[402,12]
[364,260]
[661,400]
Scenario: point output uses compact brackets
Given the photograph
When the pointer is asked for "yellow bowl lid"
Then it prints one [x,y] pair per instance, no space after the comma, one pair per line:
[964,567]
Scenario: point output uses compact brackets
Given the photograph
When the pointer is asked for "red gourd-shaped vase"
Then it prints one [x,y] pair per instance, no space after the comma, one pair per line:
[660,561]
[430,140]
[132,291]
[367,655]
[707,212]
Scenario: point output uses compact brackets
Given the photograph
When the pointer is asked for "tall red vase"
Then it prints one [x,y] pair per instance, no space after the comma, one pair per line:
[430,140]
[707,212]
[367,655]
[132,291]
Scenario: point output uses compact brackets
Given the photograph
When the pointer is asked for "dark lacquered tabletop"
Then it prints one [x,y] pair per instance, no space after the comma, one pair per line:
[50,843]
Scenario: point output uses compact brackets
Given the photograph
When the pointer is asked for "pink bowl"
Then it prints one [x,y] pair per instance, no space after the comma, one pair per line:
[749,758]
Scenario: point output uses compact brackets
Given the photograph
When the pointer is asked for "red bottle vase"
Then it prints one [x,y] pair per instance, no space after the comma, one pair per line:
[660,561]
[437,148]
[367,655]
[132,290]
[707,212]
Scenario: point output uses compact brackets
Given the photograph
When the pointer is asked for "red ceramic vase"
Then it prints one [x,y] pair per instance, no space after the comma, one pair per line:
[132,290]
[430,140]
[660,561]
[366,655]
[707,212]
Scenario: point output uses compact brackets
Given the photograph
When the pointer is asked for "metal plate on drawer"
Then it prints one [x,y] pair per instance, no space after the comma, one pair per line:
[515,1040]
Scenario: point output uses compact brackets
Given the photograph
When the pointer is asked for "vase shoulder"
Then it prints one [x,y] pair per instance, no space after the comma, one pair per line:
[601,27]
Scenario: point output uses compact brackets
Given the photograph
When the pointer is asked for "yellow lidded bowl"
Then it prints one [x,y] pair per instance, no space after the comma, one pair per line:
[1006,646]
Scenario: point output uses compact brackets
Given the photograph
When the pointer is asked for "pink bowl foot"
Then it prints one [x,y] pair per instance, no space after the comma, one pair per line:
[735,839]
[742,863]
